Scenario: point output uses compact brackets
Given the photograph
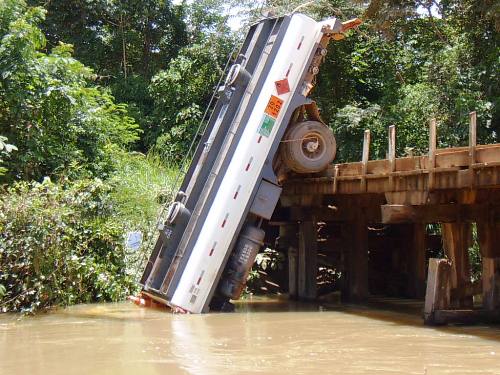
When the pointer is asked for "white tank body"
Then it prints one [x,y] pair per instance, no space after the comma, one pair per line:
[246,163]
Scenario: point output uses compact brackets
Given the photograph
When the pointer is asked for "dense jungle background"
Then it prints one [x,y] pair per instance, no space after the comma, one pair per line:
[100,99]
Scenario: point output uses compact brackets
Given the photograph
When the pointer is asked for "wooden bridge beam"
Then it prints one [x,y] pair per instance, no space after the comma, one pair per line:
[444,213]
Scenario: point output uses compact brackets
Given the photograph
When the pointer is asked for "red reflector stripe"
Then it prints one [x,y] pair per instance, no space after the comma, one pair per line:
[212,249]
[199,278]
[288,71]
[225,220]
[237,191]
[249,163]
[260,139]
[300,43]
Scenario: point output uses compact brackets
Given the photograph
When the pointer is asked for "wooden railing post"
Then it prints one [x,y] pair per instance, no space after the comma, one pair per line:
[472,137]
[364,159]
[392,155]
[432,153]
[472,145]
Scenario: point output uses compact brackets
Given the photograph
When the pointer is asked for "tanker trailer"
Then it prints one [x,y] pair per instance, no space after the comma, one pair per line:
[262,121]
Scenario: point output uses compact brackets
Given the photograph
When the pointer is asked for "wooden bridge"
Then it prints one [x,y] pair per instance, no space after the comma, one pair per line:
[369,223]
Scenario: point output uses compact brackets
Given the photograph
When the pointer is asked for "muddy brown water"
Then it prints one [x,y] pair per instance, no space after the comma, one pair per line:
[263,336]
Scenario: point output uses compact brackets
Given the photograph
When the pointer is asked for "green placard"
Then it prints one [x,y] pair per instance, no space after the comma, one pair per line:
[266,126]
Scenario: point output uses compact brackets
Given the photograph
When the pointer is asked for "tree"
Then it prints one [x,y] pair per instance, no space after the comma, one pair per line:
[49,107]
[125,42]
[182,91]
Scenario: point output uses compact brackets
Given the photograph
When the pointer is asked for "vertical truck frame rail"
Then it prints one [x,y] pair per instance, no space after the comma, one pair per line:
[211,235]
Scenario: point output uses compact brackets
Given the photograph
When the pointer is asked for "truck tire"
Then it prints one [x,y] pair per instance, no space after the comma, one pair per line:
[308,147]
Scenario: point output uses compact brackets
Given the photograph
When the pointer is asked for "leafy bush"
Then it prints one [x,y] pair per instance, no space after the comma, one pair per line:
[48,107]
[5,150]
[60,245]
[142,184]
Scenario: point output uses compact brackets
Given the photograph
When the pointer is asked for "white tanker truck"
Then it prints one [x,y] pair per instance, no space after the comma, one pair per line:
[262,121]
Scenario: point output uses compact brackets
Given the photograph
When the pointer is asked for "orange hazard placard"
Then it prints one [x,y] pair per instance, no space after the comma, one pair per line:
[274,106]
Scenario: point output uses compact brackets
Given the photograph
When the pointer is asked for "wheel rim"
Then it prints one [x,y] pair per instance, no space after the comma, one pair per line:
[313,146]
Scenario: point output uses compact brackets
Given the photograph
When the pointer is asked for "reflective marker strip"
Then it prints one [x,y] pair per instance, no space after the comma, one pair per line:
[260,139]
[288,71]
[212,249]
[248,165]
[225,219]
[300,43]
[199,278]
[237,191]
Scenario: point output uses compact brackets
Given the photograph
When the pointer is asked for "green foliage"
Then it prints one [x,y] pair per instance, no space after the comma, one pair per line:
[405,66]
[63,243]
[5,150]
[181,94]
[125,42]
[60,245]
[129,42]
[117,38]
[141,186]
[141,183]
[475,256]
[48,107]
[270,259]
[266,261]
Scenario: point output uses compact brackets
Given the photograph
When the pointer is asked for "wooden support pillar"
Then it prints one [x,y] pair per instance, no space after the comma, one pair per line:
[287,243]
[355,283]
[457,238]
[437,296]
[308,262]
[491,284]
[488,233]
[489,246]
[292,273]
[416,266]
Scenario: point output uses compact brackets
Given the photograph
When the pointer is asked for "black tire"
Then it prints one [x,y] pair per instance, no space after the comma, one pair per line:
[308,147]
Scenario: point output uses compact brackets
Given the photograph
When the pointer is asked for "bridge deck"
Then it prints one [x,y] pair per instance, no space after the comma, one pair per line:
[453,169]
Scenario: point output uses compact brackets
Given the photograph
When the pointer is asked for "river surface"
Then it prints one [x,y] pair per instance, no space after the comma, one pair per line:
[267,337]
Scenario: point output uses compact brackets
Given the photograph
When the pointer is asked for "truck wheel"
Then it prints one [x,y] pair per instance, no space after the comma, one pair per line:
[308,147]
